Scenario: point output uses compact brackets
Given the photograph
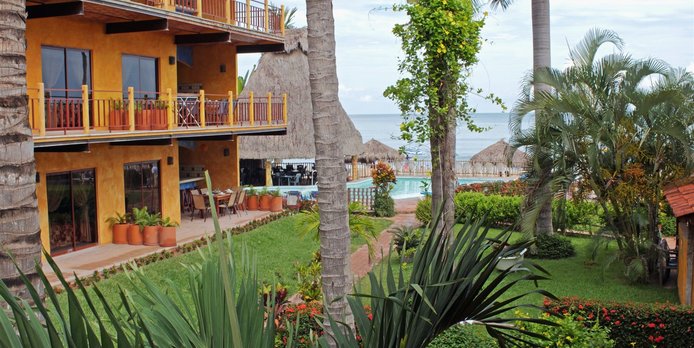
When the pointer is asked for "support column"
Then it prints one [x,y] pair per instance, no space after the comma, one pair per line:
[169,109]
[131,108]
[268,173]
[355,168]
[85,108]
[201,98]
[41,111]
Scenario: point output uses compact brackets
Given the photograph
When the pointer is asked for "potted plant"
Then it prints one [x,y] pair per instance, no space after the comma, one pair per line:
[142,116]
[120,224]
[118,116]
[150,232]
[264,200]
[275,201]
[135,230]
[167,232]
[158,114]
[251,199]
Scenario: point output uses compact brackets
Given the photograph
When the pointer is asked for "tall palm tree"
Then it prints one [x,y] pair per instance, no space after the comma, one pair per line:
[542,59]
[19,221]
[332,189]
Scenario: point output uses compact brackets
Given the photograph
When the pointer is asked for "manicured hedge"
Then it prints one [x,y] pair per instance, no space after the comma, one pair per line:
[634,324]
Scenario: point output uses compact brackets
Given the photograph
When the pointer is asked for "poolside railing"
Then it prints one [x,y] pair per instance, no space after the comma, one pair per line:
[462,169]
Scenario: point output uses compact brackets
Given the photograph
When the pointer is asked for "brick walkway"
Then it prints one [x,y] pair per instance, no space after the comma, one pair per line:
[361,262]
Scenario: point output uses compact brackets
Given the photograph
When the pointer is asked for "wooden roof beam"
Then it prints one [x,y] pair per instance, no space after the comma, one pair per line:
[55,10]
[137,26]
[199,39]
[260,48]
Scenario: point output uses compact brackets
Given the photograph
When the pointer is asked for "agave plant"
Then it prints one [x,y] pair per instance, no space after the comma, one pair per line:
[453,281]
[224,313]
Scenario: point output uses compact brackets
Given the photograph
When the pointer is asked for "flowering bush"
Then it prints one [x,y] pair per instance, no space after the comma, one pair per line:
[504,188]
[304,319]
[383,175]
[632,324]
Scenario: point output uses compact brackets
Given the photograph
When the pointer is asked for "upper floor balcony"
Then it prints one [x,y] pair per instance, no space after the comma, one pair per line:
[74,116]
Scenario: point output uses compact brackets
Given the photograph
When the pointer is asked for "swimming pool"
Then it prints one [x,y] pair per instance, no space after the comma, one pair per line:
[405,187]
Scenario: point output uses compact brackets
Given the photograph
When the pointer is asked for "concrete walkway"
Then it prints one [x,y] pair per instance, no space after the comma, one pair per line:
[84,262]
[404,216]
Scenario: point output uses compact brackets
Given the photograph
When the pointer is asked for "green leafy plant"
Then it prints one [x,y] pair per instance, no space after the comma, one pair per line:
[406,238]
[264,191]
[167,222]
[359,224]
[275,193]
[571,331]
[423,210]
[553,247]
[141,217]
[251,191]
[118,219]
[308,277]
[453,279]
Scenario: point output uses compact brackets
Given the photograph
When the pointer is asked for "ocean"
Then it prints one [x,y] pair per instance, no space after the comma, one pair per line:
[386,129]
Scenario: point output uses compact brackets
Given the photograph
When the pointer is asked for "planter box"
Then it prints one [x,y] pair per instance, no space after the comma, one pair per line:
[134,235]
[276,204]
[150,235]
[120,233]
[251,202]
[167,236]
[118,120]
[264,203]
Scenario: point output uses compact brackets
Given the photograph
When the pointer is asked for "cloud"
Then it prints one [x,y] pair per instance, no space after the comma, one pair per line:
[367,51]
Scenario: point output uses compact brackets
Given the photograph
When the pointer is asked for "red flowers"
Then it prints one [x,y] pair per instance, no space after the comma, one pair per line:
[651,325]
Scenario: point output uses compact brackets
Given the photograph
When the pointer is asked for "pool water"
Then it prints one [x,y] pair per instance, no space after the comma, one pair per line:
[405,187]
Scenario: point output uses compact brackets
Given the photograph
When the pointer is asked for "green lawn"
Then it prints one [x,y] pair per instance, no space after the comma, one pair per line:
[276,247]
[573,277]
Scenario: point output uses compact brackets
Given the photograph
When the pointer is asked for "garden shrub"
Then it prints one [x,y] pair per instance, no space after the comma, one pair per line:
[633,324]
[553,247]
[384,206]
[302,318]
[406,238]
[500,210]
[570,331]
[668,223]
[504,188]
[423,211]
[308,277]
[463,336]
[576,213]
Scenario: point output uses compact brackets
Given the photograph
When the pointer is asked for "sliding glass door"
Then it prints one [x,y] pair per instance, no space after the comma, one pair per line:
[142,186]
[71,210]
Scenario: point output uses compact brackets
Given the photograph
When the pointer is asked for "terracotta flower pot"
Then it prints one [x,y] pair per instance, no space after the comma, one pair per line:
[264,203]
[134,235]
[167,236]
[150,235]
[276,204]
[120,233]
[251,202]
[118,120]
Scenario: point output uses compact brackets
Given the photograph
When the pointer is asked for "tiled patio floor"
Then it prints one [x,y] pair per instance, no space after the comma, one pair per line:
[84,262]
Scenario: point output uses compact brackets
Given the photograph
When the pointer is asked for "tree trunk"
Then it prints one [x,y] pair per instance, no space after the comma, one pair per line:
[19,221]
[449,181]
[332,192]
[542,59]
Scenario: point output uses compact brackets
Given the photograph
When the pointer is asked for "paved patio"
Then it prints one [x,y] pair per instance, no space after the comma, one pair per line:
[84,262]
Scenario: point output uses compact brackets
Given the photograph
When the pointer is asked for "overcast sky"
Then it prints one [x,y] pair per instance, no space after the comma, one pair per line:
[367,51]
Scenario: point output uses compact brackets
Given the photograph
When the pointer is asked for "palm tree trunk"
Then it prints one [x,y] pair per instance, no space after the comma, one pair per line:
[542,59]
[19,221]
[332,192]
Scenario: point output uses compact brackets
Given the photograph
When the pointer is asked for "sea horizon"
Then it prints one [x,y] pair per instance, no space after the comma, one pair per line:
[386,129]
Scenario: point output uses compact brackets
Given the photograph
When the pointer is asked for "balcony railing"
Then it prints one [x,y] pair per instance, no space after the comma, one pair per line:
[256,15]
[114,111]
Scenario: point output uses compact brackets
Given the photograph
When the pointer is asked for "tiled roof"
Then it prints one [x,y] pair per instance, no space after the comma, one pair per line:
[681,197]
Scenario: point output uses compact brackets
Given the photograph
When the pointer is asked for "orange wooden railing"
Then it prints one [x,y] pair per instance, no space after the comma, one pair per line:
[148,111]
[186,6]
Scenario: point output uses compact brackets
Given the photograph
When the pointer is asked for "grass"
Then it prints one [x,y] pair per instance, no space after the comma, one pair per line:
[276,247]
[575,277]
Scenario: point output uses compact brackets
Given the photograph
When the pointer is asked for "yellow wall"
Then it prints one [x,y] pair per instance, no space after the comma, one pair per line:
[106,51]
[205,70]
[108,163]
[210,154]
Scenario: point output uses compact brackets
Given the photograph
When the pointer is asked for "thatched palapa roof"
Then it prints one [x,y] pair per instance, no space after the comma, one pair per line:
[287,72]
[376,150]
[498,153]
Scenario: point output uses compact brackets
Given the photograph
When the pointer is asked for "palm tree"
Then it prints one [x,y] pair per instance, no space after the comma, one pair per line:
[19,220]
[542,59]
[332,189]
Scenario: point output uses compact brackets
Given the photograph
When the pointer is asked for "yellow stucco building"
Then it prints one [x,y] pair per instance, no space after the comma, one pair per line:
[125,97]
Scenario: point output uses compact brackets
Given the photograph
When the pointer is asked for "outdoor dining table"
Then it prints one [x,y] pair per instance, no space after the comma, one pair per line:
[220,198]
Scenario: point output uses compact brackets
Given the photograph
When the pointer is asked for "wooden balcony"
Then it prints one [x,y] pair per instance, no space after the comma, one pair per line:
[250,14]
[85,115]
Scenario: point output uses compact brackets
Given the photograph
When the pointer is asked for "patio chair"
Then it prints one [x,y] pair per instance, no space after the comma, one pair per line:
[238,204]
[297,179]
[512,263]
[199,205]
[229,206]
[293,199]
